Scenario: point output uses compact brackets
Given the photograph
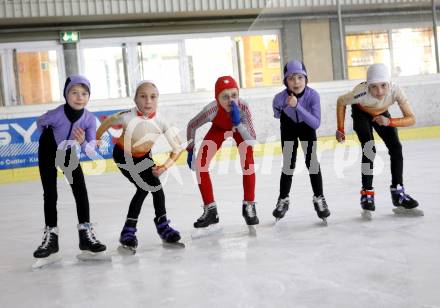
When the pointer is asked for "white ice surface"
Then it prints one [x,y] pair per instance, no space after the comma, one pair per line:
[387,262]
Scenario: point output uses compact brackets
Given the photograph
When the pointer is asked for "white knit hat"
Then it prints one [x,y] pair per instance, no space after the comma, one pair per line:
[377,73]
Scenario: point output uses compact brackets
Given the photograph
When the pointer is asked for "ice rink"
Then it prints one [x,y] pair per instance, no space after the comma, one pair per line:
[390,261]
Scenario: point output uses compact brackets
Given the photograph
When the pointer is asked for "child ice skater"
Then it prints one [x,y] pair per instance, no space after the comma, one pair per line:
[298,108]
[229,116]
[132,153]
[61,130]
[369,109]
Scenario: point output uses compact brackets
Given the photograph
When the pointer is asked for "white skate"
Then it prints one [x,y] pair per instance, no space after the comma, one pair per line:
[87,255]
[126,250]
[206,232]
[42,262]
[252,230]
[174,245]
[401,211]
[366,214]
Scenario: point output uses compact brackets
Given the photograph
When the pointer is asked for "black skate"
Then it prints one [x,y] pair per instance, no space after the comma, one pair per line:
[249,213]
[209,216]
[47,252]
[367,203]
[168,235]
[128,240]
[321,208]
[281,208]
[91,248]
[404,204]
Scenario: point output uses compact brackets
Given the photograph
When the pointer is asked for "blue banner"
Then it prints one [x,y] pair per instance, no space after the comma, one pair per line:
[19,141]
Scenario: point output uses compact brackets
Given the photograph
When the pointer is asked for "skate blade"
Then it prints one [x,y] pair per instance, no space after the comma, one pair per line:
[42,262]
[252,231]
[86,255]
[175,245]
[324,222]
[401,211]
[206,232]
[126,250]
[366,215]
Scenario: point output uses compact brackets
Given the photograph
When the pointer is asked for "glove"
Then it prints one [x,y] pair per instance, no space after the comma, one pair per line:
[235,114]
[340,135]
[189,159]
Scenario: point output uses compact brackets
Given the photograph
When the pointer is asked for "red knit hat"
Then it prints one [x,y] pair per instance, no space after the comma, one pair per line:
[223,83]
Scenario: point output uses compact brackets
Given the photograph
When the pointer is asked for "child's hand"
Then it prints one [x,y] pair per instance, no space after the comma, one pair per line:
[292,101]
[340,135]
[189,159]
[158,170]
[79,135]
[235,114]
[381,120]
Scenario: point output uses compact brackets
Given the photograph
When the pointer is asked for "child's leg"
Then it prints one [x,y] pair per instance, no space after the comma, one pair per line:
[79,190]
[48,174]
[309,145]
[247,165]
[210,145]
[140,195]
[391,139]
[289,146]
[362,125]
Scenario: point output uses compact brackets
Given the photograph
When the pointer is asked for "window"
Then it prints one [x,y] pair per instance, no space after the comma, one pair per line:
[260,58]
[180,63]
[208,59]
[406,52]
[413,52]
[38,77]
[2,100]
[160,64]
[366,49]
[104,67]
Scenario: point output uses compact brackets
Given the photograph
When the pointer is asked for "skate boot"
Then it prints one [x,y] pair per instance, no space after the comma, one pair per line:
[47,252]
[281,208]
[49,244]
[169,236]
[164,230]
[91,248]
[403,202]
[367,203]
[128,238]
[209,216]
[321,208]
[249,213]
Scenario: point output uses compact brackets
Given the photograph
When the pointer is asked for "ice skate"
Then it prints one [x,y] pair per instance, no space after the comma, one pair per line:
[128,241]
[208,231]
[281,208]
[252,231]
[404,204]
[91,248]
[43,262]
[367,204]
[209,216]
[47,253]
[414,212]
[321,208]
[367,215]
[249,213]
[170,237]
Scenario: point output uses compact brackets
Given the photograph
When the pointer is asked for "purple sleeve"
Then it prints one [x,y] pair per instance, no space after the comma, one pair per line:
[44,120]
[312,117]
[90,130]
[277,105]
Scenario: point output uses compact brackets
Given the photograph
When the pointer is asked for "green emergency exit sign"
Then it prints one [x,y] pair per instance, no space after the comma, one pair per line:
[69,36]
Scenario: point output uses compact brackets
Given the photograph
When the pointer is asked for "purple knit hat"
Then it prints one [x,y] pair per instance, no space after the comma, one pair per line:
[75,80]
[294,67]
